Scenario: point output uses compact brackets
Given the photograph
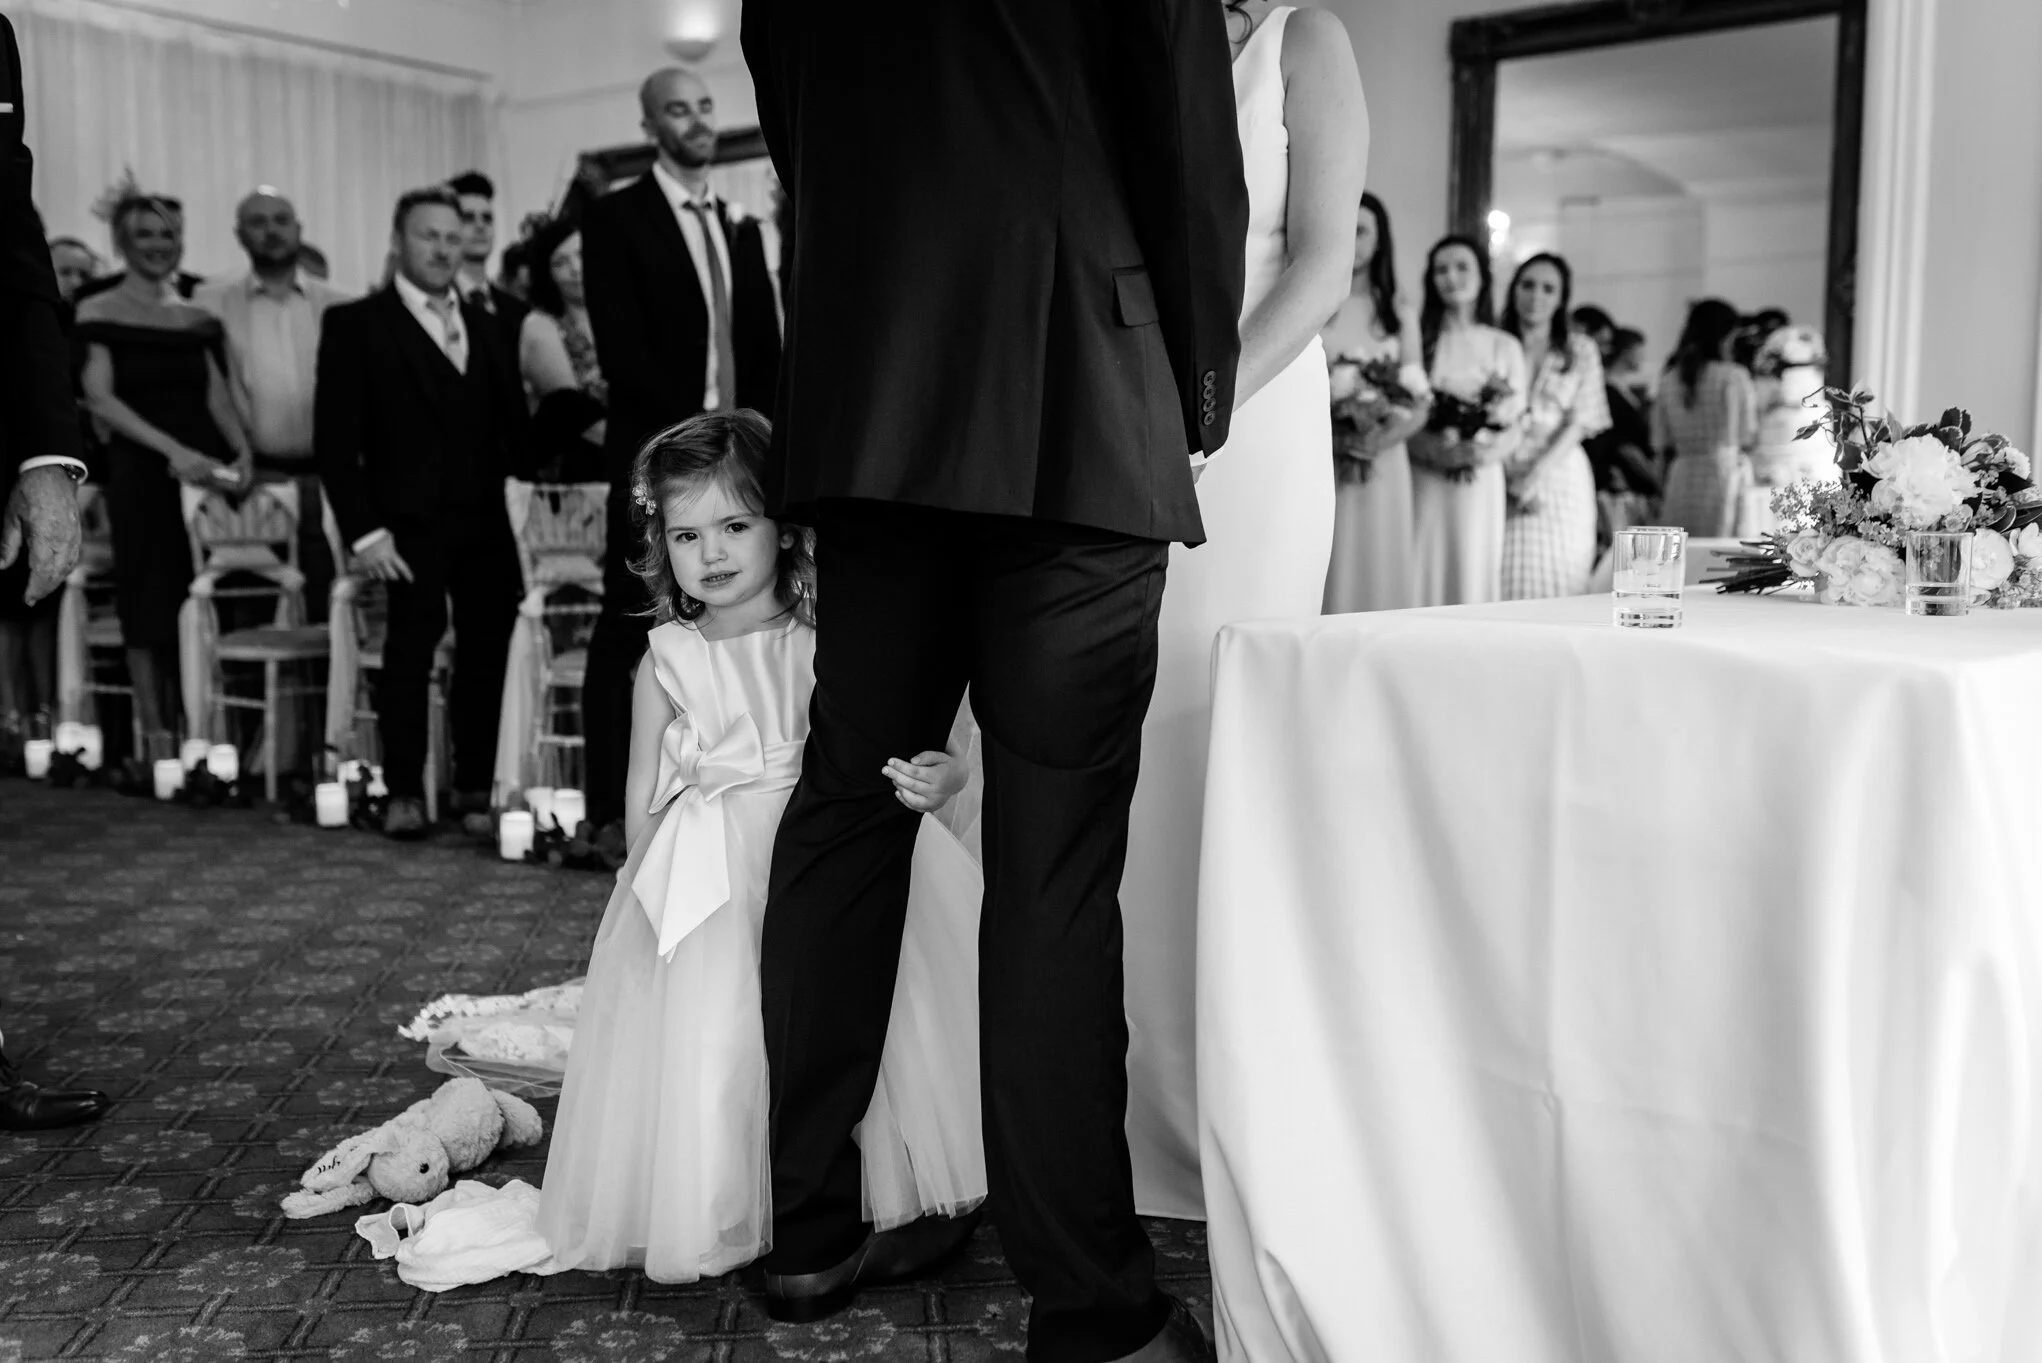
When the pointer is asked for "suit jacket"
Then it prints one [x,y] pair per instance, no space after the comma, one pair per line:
[506,312]
[1032,308]
[651,322]
[38,413]
[384,413]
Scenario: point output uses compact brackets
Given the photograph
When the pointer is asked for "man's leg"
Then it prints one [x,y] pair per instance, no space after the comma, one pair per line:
[417,620]
[483,579]
[889,671]
[1060,684]
[615,647]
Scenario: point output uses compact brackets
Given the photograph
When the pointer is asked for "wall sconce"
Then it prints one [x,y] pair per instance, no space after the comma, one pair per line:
[694,27]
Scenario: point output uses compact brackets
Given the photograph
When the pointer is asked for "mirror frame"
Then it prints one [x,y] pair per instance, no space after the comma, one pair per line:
[1478,44]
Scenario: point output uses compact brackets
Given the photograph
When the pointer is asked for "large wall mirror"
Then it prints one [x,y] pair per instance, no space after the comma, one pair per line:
[1672,150]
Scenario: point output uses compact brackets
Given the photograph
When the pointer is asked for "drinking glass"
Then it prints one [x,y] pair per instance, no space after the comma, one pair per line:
[1651,569]
[1939,573]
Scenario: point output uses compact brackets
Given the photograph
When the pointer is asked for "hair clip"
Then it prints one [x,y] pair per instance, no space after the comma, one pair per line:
[642,495]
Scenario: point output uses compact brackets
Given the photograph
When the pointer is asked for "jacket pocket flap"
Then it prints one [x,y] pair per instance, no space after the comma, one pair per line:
[1134,298]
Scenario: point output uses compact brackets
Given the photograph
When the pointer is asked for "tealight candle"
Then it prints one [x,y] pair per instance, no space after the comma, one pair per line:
[193,753]
[70,736]
[539,799]
[329,803]
[90,750]
[223,762]
[35,755]
[570,807]
[514,834]
[169,777]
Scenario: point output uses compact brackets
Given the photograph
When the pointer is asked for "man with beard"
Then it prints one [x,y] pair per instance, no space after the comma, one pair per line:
[271,316]
[683,311]
[477,193]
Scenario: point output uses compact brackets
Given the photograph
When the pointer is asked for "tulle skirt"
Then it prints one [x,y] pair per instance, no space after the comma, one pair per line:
[659,1153]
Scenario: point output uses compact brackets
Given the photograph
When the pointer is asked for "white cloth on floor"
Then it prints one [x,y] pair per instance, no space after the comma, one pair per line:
[469,1234]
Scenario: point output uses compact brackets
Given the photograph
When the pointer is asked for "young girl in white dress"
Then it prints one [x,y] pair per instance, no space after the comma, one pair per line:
[659,1155]
[1458,535]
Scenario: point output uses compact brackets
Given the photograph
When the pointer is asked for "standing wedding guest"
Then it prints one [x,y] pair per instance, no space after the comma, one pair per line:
[1459,516]
[681,304]
[1009,341]
[76,265]
[271,317]
[39,471]
[477,195]
[1549,536]
[1599,327]
[1371,567]
[1621,456]
[557,357]
[154,379]
[184,282]
[418,420]
[1704,421]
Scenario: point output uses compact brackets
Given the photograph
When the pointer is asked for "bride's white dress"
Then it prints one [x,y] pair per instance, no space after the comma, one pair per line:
[1267,499]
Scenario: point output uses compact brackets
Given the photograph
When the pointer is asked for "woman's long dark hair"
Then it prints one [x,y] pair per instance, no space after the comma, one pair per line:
[1382,268]
[1709,323]
[1561,333]
[1434,312]
[542,292]
[726,447]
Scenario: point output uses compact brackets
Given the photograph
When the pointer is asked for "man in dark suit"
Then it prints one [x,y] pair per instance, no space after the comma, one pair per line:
[682,307]
[1007,338]
[418,417]
[40,468]
[477,194]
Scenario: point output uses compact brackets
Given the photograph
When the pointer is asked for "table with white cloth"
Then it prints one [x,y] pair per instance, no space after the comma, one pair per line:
[1569,994]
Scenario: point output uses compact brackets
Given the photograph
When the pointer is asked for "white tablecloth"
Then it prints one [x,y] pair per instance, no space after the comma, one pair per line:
[1570,994]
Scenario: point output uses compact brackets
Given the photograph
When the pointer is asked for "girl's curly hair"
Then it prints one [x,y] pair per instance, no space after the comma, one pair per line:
[729,449]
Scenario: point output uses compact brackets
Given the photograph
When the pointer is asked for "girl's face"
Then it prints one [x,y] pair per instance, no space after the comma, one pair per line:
[724,553]
[1537,296]
[1365,240]
[152,245]
[566,268]
[1457,276]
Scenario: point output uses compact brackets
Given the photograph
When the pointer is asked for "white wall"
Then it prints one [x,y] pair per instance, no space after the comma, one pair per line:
[1982,316]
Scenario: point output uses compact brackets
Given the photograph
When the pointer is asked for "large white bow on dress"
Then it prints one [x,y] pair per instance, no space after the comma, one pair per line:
[692,837]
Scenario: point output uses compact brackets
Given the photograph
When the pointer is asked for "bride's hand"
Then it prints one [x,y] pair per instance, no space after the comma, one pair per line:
[926,782]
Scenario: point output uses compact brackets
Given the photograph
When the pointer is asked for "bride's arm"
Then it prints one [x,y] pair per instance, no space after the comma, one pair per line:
[1327,118]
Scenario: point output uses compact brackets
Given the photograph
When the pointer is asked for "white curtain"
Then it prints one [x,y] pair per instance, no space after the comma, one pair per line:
[205,116]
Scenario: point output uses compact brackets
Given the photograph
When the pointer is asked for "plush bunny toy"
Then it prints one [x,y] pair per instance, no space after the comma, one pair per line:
[410,1157]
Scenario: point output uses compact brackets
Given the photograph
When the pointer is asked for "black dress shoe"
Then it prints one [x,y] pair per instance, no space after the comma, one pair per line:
[404,820]
[30,1107]
[1181,1340]
[886,1257]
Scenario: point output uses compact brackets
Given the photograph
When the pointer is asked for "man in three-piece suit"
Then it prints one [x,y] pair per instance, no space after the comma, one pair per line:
[40,467]
[1007,337]
[418,417]
[685,320]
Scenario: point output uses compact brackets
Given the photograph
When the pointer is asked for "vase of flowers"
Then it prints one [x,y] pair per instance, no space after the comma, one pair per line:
[1460,433]
[1848,539]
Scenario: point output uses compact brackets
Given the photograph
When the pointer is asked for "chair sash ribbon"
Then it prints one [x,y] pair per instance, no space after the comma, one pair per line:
[694,778]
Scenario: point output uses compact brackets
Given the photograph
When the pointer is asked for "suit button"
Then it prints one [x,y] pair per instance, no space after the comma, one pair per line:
[1208,380]
[1208,418]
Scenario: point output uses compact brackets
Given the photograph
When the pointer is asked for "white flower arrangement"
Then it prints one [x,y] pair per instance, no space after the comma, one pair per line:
[1849,539]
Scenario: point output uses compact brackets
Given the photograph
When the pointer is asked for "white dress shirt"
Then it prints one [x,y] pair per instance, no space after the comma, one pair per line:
[272,355]
[678,196]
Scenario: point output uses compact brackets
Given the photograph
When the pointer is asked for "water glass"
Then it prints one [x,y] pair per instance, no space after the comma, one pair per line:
[1650,572]
[1939,573]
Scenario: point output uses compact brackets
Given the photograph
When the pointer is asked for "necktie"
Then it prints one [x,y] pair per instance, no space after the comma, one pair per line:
[455,343]
[719,307]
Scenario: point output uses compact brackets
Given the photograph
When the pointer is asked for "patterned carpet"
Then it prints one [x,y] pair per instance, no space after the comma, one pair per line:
[236,984]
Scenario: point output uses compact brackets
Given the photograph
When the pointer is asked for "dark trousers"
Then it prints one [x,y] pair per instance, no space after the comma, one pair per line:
[1054,629]
[315,554]
[614,649]
[466,555]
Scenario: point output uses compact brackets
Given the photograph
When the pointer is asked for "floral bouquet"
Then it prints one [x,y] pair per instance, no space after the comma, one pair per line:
[1364,401]
[1452,442]
[1850,538]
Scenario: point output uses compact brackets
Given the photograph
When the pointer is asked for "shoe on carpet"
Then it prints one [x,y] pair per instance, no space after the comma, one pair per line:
[25,1106]
[887,1256]
[1182,1340]
[611,846]
[405,819]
